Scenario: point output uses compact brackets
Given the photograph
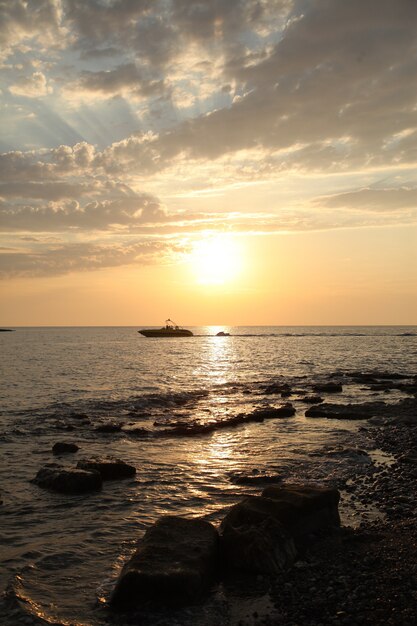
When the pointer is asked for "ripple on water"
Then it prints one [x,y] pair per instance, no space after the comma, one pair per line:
[68,549]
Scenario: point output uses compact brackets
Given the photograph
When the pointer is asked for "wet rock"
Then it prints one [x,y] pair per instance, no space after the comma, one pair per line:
[277,388]
[286,410]
[67,480]
[305,509]
[261,534]
[369,377]
[353,454]
[63,447]
[410,458]
[312,399]
[174,563]
[109,427]
[109,469]
[253,538]
[137,432]
[255,478]
[328,387]
[346,411]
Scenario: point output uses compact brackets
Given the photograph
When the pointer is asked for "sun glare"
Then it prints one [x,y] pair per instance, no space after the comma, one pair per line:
[216,260]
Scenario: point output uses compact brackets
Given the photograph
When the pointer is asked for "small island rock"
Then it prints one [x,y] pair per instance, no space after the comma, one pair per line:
[109,469]
[67,480]
[63,447]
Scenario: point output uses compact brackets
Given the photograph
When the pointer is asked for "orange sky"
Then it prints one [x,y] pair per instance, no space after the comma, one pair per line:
[230,162]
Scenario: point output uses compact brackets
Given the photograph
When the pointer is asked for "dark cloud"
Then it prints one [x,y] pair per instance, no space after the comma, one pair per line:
[21,19]
[122,78]
[96,20]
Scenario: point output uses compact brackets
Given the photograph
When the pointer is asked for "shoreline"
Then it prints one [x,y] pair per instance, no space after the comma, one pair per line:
[356,576]
[366,575]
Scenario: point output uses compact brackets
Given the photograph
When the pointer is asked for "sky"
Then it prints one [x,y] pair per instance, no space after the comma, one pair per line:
[216,162]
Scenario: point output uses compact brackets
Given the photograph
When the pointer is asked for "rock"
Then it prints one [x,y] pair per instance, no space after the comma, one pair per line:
[109,469]
[109,427]
[254,479]
[262,534]
[253,538]
[174,563]
[277,388]
[305,509]
[346,411]
[62,447]
[67,480]
[286,410]
[328,387]
[312,399]
[408,457]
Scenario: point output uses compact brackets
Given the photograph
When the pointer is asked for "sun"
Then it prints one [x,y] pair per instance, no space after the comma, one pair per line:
[216,260]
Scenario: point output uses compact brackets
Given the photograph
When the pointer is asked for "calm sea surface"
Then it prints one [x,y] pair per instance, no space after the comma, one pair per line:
[60,554]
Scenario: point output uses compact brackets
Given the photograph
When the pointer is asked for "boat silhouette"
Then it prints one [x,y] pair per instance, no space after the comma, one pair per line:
[171,329]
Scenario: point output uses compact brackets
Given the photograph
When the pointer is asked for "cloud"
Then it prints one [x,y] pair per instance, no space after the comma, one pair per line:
[187,96]
[76,257]
[22,19]
[379,200]
[34,86]
[69,215]
[123,79]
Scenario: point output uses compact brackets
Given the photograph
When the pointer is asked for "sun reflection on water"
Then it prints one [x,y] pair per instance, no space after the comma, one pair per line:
[217,356]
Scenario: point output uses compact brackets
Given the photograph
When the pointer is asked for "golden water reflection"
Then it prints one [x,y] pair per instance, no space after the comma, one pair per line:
[217,355]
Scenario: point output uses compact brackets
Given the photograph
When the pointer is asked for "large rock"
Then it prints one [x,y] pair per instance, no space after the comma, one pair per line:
[262,534]
[254,540]
[109,469]
[305,509]
[174,564]
[67,480]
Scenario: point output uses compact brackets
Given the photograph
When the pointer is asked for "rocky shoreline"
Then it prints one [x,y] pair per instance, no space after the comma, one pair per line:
[366,575]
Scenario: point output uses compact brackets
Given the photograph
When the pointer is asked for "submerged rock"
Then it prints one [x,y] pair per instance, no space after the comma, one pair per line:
[67,480]
[328,387]
[64,447]
[174,563]
[278,388]
[242,478]
[262,534]
[109,427]
[109,469]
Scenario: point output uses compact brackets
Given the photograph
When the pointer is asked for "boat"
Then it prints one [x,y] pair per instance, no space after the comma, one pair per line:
[171,329]
[222,334]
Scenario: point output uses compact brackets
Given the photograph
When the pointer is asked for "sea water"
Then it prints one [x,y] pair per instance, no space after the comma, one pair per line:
[60,554]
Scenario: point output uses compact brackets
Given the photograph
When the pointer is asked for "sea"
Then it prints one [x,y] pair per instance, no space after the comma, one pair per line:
[61,554]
